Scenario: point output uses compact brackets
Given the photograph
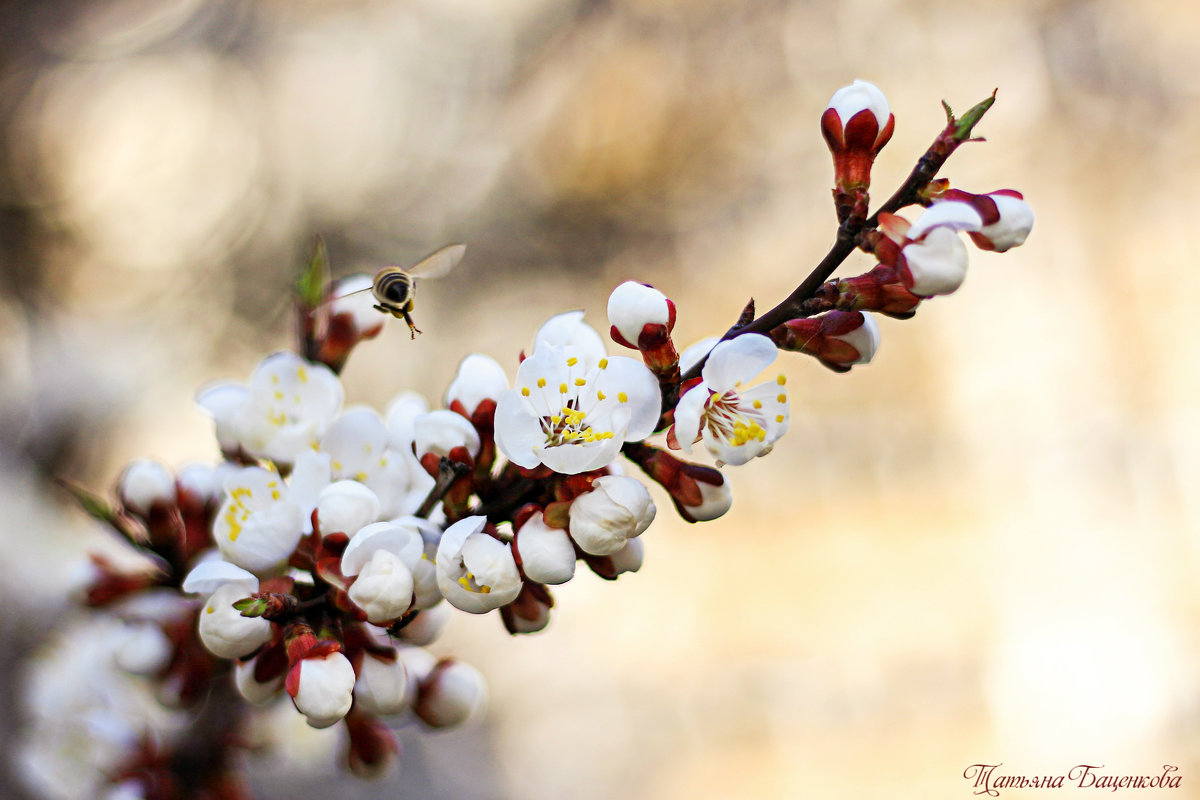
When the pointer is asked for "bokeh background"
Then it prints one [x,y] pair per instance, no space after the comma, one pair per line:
[981,548]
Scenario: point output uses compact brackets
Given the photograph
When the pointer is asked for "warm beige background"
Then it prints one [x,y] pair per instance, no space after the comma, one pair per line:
[980,548]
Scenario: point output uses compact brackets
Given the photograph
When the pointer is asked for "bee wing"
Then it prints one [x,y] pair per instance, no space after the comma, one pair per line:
[351,285]
[440,263]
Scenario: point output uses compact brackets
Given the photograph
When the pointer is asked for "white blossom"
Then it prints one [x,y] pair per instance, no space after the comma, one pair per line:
[383,556]
[359,446]
[476,573]
[735,424]
[616,510]
[573,418]
[260,523]
[569,330]
[282,412]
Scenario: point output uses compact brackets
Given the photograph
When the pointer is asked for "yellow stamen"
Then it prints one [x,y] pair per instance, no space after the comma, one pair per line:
[524,391]
[580,382]
[541,383]
[302,374]
[603,363]
[622,397]
[781,380]
[782,398]
[572,361]
[758,403]
[562,388]
[600,395]
[779,418]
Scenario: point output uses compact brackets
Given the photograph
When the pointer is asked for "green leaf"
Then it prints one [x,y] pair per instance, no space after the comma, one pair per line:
[964,124]
[100,509]
[251,606]
[312,283]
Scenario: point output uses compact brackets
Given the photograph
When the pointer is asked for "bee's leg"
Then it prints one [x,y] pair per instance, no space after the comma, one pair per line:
[413,329]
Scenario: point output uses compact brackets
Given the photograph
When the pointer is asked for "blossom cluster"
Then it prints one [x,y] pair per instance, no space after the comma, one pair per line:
[329,546]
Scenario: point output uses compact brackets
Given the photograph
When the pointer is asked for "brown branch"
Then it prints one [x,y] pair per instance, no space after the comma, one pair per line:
[850,232]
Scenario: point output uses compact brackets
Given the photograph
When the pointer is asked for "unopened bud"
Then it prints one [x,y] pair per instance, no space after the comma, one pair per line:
[935,265]
[479,378]
[223,629]
[616,510]
[546,553]
[856,126]
[453,692]
[322,688]
[382,686]
[715,500]
[145,484]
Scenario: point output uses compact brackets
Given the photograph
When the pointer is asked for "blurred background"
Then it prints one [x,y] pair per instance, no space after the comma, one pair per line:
[981,548]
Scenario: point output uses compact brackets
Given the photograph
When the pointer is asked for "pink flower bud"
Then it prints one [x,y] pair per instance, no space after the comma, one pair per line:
[632,307]
[856,126]
[453,692]
[616,510]
[546,553]
[322,688]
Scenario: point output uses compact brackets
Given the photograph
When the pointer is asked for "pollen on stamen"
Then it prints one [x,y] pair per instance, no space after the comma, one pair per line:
[603,363]
[562,388]
[757,404]
[622,397]
[524,391]
[541,383]
[601,396]
[779,417]
[782,398]
[580,382]
[781,380]
[572,361]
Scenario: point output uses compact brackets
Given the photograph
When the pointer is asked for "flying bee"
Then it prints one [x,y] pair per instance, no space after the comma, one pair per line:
[395,288]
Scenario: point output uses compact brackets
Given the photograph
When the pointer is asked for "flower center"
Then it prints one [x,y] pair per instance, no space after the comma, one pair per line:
[731,421]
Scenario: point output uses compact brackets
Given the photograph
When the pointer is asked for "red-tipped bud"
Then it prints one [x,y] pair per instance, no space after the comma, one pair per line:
[1007,218]
[839,338]
[856,126]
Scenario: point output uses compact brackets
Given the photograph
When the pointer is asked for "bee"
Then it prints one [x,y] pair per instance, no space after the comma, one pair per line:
[395,288]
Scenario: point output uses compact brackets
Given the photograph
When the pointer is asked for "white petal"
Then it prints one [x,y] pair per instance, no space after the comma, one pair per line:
[688,414]
[738,360]
[398,539]
[518,431]
[479,378]
[569,330]
[952,214]
[860,95]
[208,576]
[633,305]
